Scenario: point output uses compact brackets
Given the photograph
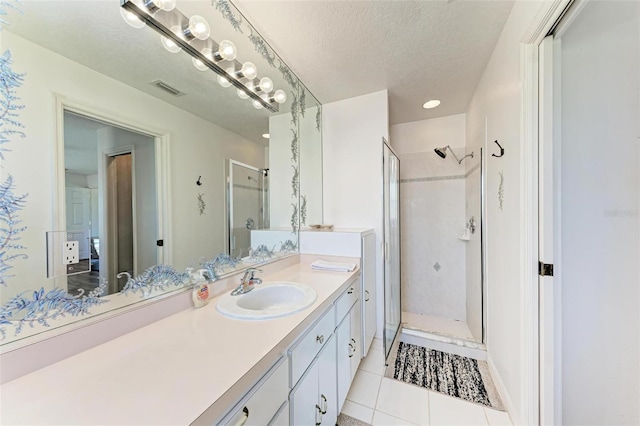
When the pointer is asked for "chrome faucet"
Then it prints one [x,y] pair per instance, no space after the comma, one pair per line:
[247,282]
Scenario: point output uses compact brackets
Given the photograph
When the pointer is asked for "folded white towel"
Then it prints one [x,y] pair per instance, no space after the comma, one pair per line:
[323,265]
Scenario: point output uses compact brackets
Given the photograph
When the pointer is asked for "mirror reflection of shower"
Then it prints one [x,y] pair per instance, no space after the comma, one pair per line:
[442,152]
[248,205]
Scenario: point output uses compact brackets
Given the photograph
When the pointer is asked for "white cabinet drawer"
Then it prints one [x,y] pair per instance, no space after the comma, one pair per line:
[347,299]
[263,401]
[303,353]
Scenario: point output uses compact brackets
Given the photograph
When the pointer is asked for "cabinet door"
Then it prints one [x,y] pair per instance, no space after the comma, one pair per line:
[368,294]
[356,337]
[343,338]
[304,399]
[327,384]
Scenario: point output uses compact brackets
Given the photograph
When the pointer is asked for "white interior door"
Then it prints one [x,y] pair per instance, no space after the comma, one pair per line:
[78,210]
[589,220]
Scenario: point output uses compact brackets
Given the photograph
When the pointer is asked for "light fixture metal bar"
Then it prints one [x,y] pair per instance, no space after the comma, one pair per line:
[162,21]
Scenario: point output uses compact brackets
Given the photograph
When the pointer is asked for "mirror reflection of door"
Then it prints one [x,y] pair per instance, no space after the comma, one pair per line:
[120,220]
[248,205]
[110,198]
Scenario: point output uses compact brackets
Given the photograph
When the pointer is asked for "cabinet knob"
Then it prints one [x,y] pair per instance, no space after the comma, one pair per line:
[366,299]
[350,291]
[320,339]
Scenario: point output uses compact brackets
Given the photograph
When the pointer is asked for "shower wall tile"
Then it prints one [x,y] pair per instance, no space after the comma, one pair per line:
[433,217]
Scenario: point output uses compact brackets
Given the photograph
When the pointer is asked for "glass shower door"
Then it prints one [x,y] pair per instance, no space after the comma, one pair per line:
[391,200]
[246,206]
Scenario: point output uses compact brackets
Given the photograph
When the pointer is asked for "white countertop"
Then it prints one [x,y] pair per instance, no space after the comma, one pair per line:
[169,372]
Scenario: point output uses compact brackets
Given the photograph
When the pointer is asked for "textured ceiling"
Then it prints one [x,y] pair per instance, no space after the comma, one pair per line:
[418,50]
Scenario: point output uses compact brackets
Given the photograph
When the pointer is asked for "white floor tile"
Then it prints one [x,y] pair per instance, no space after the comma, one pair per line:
[374,362]
[364,389]
[357,411]
[405,401]
[376,344]
[446,411]
[383,419]
[497,418]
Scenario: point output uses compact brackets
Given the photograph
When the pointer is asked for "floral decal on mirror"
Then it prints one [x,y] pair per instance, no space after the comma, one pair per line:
[224,7]
[219,264]
[262,252]
[10,203]
[42,307]
[261,47]
[157,277]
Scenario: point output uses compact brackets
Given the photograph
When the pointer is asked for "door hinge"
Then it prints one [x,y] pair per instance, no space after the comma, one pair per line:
[545,269]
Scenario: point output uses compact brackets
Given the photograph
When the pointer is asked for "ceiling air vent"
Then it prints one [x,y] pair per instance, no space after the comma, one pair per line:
[167,88]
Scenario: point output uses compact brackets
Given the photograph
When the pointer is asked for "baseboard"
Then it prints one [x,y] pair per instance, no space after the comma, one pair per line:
[502,390]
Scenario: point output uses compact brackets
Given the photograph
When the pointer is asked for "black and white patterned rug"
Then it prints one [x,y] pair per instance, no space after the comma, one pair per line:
[450,374]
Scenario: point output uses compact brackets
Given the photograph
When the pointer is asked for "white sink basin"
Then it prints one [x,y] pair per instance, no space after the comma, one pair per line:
[268,300]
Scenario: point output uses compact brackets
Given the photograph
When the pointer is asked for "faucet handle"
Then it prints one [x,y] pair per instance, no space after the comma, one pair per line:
[249,273]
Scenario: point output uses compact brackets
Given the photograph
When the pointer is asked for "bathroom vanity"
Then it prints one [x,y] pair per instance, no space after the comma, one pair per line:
[200,367]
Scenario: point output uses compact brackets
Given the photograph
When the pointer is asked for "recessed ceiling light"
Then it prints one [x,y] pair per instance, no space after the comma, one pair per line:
[265,135]
[431,104]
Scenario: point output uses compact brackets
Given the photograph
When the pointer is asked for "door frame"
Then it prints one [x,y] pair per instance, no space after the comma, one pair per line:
[536,392]
[162,166]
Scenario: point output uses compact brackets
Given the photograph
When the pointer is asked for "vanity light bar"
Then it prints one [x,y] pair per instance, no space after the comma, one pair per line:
[162,21]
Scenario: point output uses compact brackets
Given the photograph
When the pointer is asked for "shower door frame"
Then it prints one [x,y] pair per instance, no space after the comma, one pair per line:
[229,192]
[387,350]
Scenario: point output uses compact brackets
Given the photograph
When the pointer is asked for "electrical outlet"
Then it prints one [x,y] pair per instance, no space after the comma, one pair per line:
[70,253]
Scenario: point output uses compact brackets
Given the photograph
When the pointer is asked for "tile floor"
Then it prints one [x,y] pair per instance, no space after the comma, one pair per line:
[379,401]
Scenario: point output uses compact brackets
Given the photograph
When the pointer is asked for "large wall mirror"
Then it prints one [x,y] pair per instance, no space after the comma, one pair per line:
[148,162]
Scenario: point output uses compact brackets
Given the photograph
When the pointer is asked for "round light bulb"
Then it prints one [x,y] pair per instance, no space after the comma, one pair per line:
[242,94]
[222,81]
[201,65]
[199,27]
[131,18]
[227,50]
[169,44]
[249,70]
[266,84]
[280,96]
[167,5]
[256,104]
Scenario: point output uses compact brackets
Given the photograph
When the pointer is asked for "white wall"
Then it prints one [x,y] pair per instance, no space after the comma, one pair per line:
[197,147]
[494,113]
[600,215]
[352,131]
[432,191]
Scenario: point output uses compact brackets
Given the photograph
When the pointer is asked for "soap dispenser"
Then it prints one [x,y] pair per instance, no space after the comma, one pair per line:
[200,293]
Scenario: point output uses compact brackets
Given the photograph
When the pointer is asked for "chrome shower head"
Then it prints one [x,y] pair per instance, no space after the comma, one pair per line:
[441,152]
